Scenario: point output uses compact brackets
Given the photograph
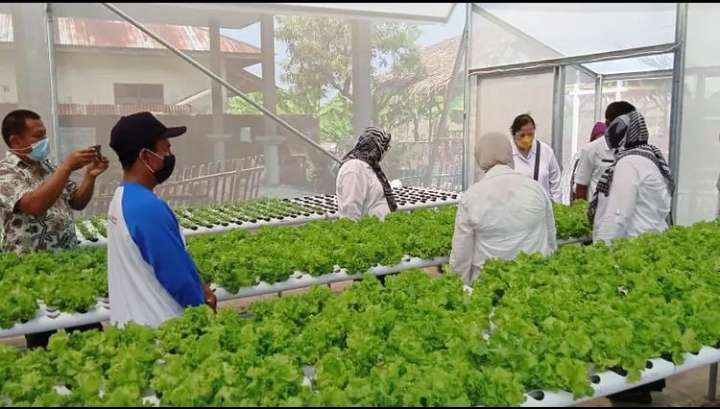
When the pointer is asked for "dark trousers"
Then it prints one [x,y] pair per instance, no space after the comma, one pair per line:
[41,339]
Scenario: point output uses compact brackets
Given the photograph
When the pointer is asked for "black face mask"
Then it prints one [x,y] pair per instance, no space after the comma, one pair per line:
[164,173]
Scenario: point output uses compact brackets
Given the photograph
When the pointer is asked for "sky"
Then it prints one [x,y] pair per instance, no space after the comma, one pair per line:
[431,34]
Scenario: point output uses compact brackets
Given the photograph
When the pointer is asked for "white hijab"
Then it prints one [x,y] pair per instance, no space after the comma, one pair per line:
[492,149]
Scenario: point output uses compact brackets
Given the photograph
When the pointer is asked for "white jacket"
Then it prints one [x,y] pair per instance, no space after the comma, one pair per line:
[359,192]
[500,216]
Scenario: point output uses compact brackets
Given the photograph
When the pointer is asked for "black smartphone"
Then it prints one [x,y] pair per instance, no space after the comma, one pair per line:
[97,149]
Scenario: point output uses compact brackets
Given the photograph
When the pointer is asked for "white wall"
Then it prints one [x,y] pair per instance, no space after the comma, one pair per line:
[88,78]
[8,83]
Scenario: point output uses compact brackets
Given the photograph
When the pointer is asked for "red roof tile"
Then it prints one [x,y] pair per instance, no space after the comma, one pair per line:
[81,32]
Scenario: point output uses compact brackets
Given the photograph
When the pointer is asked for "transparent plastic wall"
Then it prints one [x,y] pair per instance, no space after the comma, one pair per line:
[509,33]
[24,68]
[578,121]
[501,99]
[512,33]
[328,77]
[699,187]
[652,97]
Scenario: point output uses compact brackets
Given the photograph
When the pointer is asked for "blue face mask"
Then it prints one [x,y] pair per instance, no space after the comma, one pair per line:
[40,150]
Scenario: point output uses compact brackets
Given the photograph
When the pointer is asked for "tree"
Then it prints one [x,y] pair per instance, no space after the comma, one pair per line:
[319,64]
[335,123]
[288,103]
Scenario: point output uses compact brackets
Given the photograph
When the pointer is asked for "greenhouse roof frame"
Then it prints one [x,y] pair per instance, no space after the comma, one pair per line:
[507,16]
[240,15]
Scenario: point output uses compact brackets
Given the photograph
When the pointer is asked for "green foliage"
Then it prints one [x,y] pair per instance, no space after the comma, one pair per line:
[571,221]
[532,323]
[319,65]
[72,281]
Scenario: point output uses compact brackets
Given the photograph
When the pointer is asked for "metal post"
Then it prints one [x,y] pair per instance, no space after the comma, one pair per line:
[598,97]
[575,117]
[270,139]
[468,168]
[676,104]
[362,103]
[55,115]
[712,384]
[558,114]
[440,130]
[217,78]
[269,91]
[31,57]
[216,97]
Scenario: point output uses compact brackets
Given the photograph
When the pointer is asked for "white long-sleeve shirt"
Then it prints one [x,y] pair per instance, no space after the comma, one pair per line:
[500,216]
[639,201]
[549,175]
[594,160]
[359,192]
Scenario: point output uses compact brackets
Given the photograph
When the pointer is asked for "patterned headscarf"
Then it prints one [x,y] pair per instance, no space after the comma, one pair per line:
[628,135]
[371,148]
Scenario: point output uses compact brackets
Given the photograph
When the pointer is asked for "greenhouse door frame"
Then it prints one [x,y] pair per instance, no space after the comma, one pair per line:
[474,105]
[558,66]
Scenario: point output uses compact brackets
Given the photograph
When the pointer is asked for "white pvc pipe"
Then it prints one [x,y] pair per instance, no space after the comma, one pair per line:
[604,383]
[47,321]
[609,382]
[274,222]
[301,280]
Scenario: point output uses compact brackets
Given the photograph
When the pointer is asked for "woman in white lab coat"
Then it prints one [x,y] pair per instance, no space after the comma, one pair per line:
[638,199]
[361,185]
[502,215]
[535,159]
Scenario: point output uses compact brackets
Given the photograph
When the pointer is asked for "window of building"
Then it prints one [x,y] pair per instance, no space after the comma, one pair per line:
[137,94]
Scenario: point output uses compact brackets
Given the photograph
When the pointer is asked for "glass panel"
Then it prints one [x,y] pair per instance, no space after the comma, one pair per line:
[579,119]
[328,77]
[495,42]
[24,66]
[501,99]
[652,97]
[420,100]
[698,190]
[595,27]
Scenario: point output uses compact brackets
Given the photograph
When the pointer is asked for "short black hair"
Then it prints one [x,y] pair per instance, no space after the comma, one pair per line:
[520,121]
[128,159]
[15,123]
[616,109]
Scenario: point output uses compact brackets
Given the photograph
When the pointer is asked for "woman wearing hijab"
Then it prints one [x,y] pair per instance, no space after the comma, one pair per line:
[502,215]
[361,185]
[535,159]
[637,189]
[632,197]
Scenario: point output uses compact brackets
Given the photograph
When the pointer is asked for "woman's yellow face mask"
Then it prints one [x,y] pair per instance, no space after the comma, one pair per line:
[524,140]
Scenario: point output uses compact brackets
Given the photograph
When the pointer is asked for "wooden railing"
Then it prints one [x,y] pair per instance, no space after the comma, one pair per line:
[215,182]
